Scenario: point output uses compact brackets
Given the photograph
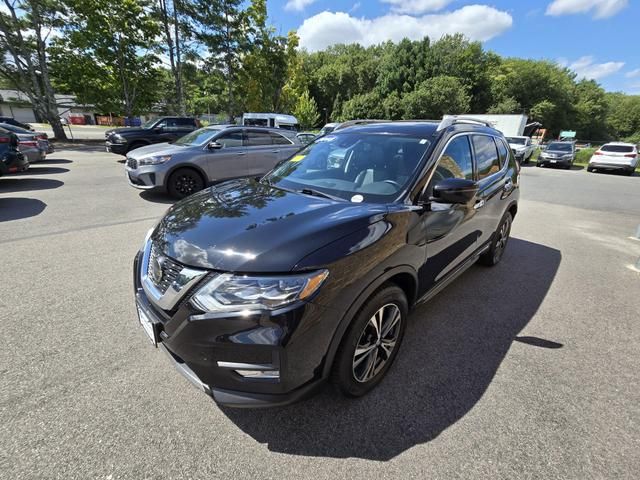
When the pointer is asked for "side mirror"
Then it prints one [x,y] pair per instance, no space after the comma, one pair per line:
[214,145]
[454,190]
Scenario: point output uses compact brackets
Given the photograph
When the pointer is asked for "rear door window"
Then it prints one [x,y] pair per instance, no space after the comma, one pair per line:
[256,139]
[487,158]
[503,152]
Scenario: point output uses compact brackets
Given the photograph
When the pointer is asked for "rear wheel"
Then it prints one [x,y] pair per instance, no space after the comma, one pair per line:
[630,171]
[589,168]
[184,182]
[371,343]
[499,243]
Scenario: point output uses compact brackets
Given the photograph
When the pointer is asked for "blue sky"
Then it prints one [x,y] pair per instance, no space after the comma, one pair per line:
[596,38]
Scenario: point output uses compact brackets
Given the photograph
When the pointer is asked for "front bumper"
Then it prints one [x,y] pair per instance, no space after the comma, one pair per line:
[118,148]
[215,351]
[561,162]
[150,177]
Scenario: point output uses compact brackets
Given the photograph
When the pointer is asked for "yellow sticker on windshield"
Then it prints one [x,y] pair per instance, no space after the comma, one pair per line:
[297,158]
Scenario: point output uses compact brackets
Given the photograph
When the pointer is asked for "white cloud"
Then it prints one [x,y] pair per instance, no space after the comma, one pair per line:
[633,73]
[416,7]
[601,8]
[586,68]
[477,22]
[298,5]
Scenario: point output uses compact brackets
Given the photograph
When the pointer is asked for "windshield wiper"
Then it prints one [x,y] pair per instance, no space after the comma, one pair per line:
[318,193]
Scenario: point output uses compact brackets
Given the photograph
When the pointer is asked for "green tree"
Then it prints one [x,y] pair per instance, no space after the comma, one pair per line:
[362,106]
[591,110]
[25,27]
[436,97]
[306,111]
[505,106]
[623,117]
[105,57]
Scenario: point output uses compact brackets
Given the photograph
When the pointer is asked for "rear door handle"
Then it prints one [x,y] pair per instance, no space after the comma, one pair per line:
[479,204]
[275,151]
[242,153]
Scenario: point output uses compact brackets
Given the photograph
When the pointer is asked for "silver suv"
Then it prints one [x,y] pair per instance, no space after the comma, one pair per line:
[207,155]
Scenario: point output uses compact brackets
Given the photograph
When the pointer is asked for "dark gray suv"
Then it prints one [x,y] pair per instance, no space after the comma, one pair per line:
[209,155]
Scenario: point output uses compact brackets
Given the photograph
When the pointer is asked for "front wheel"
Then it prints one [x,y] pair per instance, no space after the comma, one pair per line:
[184,182]
[499,243]
[371,343]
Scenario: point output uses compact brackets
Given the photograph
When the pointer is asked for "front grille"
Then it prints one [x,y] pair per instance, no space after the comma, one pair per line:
[170,269]
[132,163]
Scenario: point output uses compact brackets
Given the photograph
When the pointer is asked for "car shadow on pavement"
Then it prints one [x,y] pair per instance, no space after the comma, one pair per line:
[157,197]
[36,169]
[23,184]
[82,147]
[17,208]
[54,161]
[452,350]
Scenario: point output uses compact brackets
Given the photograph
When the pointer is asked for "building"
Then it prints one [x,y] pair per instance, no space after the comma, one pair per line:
[16,104]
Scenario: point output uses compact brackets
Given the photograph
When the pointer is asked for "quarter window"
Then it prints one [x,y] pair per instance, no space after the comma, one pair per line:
[279,139]
[456,160]
[486,155]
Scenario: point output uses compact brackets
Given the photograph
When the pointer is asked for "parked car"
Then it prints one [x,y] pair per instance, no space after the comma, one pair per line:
[158,130]
[41,137]
[29,146]
[208,155]
[261,289]
[11,159]
[306,137]
[328,128]
[615,156]
[522,148]
[13,121]
[557,154]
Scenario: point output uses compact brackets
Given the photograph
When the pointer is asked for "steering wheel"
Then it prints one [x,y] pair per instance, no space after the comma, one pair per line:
[391,182]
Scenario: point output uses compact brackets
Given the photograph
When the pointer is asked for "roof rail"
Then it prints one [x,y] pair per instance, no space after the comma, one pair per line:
[351,123]
[448,120]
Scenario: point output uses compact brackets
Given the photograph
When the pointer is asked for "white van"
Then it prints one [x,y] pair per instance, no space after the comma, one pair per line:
[272,120]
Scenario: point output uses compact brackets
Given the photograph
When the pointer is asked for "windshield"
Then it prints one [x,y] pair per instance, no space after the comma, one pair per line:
[560,147]
[197,137]
[149,123]
[517,140]
[353,166]
[617,148]
[327,129]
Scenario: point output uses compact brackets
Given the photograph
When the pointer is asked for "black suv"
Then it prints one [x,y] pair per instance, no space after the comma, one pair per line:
[158,130]
[261,289]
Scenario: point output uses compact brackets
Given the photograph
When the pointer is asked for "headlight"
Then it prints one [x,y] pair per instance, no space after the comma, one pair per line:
[228,292]
[568,157]
[154,160]
[118,139]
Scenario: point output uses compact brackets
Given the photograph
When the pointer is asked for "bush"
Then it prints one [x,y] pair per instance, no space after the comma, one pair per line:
[584,155]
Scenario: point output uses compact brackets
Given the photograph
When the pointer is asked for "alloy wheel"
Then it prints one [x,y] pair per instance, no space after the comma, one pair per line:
[377,342]
[185,184]
[503,238]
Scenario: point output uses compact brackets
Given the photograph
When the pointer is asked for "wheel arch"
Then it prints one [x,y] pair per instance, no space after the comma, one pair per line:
[405,277]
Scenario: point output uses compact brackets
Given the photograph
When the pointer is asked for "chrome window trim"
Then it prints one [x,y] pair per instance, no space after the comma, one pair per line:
[185,280]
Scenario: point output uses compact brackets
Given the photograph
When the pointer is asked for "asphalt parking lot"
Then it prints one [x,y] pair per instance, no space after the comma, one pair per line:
[527,370]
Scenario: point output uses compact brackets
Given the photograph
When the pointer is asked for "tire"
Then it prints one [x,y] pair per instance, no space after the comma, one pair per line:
[630,172]
[184,182]
[499,243]
[538,164]
[589,169]
[355,374]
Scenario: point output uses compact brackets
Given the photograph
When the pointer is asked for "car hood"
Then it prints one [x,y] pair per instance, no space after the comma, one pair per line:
[155,149]
[556,152]
[247,226]
[128,130]
[517,146]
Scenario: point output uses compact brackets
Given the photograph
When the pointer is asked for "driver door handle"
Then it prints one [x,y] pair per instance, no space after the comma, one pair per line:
[241,153]
[479,204]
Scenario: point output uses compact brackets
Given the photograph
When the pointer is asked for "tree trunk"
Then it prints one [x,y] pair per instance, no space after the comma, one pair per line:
[182,108]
